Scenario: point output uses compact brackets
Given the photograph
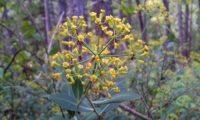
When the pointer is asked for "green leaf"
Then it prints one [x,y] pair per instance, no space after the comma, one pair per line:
[28,29]
[2,3]
[164,115]
[118,98]
[117,117]
[171,37]
[1,72]
[89,116]
[77,89]
[54,50]
[108,107]
[37,36]
[69,103]
[56,118]
[67,89]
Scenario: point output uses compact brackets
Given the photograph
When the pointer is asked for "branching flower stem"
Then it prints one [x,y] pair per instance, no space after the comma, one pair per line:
[87,88]
[99,117]
[113,38]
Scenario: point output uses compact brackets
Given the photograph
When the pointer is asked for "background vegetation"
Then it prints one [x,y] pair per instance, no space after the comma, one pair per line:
[168,84]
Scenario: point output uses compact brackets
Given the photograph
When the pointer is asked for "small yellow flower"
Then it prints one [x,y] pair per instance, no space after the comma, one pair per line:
[144,54]
[104,28]
[57,76]
[88,66]
[97,20]
[81,17]
[102,73]
[86,75]
[116,45]
[84,26]
[109,33]
[68,71]
[75,51]
[93,14]
[89,35]
[65,64]
[73,26]
[71,81]
[80,38]
[68,56]
[83,83]
[105,61]
[109,18]
[128,26]
[93,78]
[140,41]
[54,64]
[65,24]
[96,58]
[64,43]
[146,48]
[141,61]
[67,76]
[74,61]
[96,88]
[110,83]
[109,96]
[80,66]
[127,29]
[74,18]
[123,70]
[126,37]
[106,51]
[79,76]
[119,28]
[105,89]
[102,11]
[136,46]
[112,71]
[56,56]
[71,43]
[131,38]
[116,89]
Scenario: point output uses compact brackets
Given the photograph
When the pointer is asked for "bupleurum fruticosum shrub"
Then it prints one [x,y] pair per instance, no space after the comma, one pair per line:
[95,54]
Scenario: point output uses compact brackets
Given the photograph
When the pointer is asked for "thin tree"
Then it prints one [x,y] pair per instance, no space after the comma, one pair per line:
[142,23]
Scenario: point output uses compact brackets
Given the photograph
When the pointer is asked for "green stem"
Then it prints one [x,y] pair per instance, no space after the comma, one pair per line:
[88,48]
[113,38]
[87,87]
[113,55]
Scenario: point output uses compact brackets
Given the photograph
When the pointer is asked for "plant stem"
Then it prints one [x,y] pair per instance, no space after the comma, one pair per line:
[88,48]
[99,117]
[113,38]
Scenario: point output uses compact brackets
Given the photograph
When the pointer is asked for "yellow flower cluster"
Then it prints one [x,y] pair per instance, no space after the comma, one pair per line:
[98,56]
[157,8]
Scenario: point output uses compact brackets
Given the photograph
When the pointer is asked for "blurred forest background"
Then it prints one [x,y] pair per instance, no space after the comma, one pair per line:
[168,82]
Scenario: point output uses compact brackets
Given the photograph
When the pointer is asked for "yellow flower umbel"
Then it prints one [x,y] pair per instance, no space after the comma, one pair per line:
[93,58]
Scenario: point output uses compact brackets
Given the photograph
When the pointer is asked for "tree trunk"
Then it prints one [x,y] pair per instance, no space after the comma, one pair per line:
[186,40]
[190,30]
[129,17]
[75,7]
[102,4]
[142,23]
[180,24]
[47,21]
[168,27]
[63,9]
